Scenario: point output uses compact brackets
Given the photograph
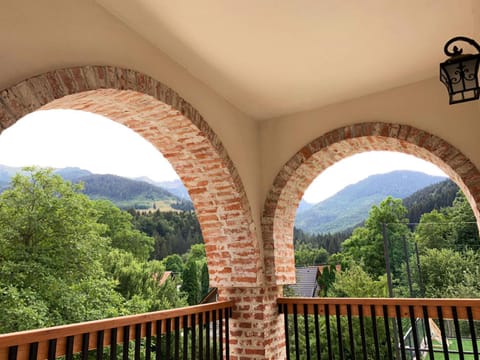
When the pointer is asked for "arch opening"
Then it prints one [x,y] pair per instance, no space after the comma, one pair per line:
[299,172]
[179,132]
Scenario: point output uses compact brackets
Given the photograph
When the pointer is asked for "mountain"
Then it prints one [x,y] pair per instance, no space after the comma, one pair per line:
[72,173]
[174,186]
[123,192]
[436,196]
[351,205]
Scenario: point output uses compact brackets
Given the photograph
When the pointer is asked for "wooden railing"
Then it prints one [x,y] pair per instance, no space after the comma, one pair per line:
[381,328]
[195,332]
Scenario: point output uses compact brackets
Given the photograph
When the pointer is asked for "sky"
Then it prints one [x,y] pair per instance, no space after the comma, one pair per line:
[66,138]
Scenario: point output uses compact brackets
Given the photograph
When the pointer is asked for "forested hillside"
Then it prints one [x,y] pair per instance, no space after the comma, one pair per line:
[436,196]
[123,192]
[351,205]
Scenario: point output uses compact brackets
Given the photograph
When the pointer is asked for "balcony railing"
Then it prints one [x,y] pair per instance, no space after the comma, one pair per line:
[195,332]
[372,328]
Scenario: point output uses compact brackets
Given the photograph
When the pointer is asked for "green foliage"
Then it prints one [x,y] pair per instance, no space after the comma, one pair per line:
[434,231]
[65,258]
[351,205]
[173,263]
[464,224]
[366,245]
[330,242]
[191,283]
[449,273]
[174,232]
[121,231]
[355,282]
[433,197]
[306,255]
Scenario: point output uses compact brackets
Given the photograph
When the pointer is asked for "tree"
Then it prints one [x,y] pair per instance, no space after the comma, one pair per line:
[464,224]
[173,263]
[52,249]
[355,282]
[190,282]
[57,262]
[450,273]
[433,231]
[121,231]
[366,245]
[306,255]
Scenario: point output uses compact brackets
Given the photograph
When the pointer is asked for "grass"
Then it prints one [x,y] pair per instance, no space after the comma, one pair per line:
[467,346]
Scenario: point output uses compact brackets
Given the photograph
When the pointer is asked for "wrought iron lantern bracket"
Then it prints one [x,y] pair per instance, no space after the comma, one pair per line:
[459,72]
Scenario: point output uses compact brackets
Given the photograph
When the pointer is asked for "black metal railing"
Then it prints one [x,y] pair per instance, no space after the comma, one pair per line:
[373,328]
[195,332]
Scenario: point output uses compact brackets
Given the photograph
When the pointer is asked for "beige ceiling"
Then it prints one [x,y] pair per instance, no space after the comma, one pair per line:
[275,57]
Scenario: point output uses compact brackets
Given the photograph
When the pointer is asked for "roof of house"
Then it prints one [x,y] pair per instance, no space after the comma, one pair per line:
[306,285]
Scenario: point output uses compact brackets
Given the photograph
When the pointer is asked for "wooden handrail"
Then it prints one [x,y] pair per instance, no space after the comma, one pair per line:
[41,336]
[307,305]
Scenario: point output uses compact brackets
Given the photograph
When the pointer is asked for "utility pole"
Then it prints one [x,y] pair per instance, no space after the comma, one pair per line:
[407,261]
[386,254]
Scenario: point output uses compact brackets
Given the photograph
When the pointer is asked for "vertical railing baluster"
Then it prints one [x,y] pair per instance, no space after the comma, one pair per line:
[307,332]
[200,336]
[33,350]
[176,323]
[327,328]
[148,341]
[413,323]
[220,332]
[168,339]
[228,313]
[193,325]
[207,334]
[339,332]
[185,337]
[386,322]
[350,331]
[214,335]
[113,344]
[373,316]
[158,340]
[457,332]
[85,344]
[12,352]
[362,331]
[52,349]
[100,337]
[400,332]
[317,331]
[138,340]
[126,342]
[443,333]
[295,332]
[285,325]
[428,333]
[473,336]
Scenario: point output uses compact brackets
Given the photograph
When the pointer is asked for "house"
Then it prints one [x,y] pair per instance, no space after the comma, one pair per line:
[306,285]
[250,101]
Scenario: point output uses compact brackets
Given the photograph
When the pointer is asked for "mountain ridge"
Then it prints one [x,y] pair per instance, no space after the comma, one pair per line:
[351,205]
[122,191]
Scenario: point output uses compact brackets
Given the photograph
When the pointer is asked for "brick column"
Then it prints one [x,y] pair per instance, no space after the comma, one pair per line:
[256,329]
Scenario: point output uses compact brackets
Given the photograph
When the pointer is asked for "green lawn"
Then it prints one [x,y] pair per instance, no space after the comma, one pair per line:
[467,346]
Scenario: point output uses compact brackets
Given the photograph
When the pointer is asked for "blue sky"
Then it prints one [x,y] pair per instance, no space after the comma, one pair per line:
[58,138]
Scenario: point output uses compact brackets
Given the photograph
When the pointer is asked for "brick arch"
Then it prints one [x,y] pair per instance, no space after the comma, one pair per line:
[179,132]
[299,172]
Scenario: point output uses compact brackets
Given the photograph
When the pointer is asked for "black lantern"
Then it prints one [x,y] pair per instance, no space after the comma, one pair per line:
[459,73]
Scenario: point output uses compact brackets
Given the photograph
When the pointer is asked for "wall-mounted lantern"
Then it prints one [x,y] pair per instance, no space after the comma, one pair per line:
[459,73]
